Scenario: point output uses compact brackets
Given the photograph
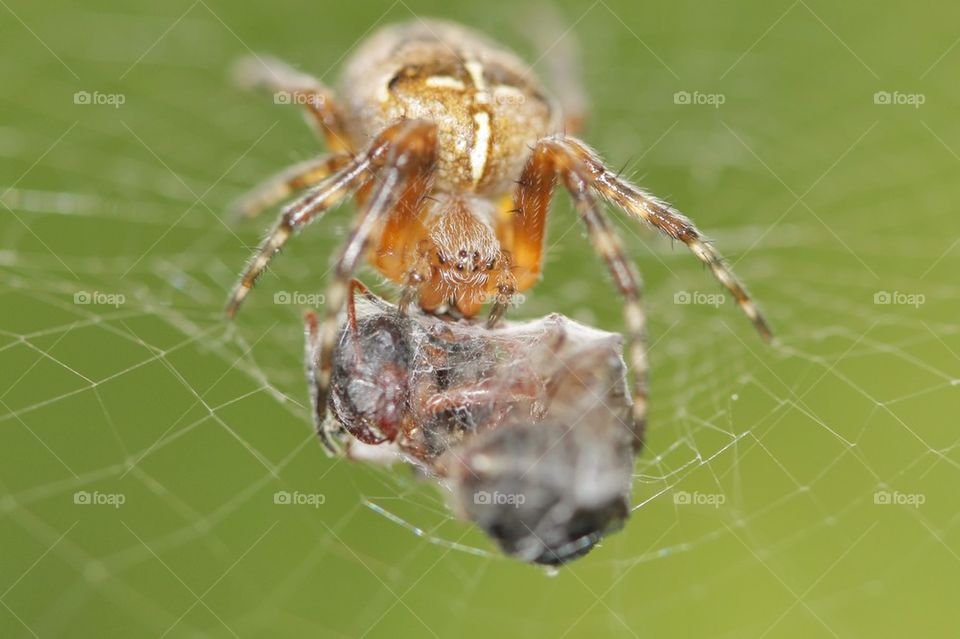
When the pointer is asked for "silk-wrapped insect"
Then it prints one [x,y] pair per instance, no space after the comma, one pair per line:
[527,426]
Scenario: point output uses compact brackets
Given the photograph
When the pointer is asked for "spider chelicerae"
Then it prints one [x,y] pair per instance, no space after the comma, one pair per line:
[453,149]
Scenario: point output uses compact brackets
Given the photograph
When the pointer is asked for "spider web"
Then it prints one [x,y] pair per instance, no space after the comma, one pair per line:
[149,448]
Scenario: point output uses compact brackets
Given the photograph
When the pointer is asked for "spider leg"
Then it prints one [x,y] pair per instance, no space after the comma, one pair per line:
[296,216]
[411,152]
[294,178]
[528,224]
[416,276]
[358,173]
[505,286]
[661,216]
[327,428]
[295,87]
[607,244]
[532,199]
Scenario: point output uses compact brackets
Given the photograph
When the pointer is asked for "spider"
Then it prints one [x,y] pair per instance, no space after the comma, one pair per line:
[528,425]
[453,149]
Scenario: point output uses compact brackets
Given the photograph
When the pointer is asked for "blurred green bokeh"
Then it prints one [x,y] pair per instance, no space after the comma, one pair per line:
[830,198]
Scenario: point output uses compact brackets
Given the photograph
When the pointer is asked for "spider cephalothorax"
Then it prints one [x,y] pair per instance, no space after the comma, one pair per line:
[453,151]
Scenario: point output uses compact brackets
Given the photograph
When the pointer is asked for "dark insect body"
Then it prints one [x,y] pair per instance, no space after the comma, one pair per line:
[527,425]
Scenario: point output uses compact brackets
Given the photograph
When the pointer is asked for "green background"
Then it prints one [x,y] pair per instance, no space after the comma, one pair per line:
[822,198]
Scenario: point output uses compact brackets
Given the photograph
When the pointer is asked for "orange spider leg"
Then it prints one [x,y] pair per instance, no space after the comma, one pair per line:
[533,202]
[410,151]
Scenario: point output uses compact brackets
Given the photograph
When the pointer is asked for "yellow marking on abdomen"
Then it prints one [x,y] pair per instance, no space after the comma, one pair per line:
[481,146]
[445,81]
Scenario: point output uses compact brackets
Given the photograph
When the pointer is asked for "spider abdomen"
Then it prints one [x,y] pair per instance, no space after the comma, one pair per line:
[488,107]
